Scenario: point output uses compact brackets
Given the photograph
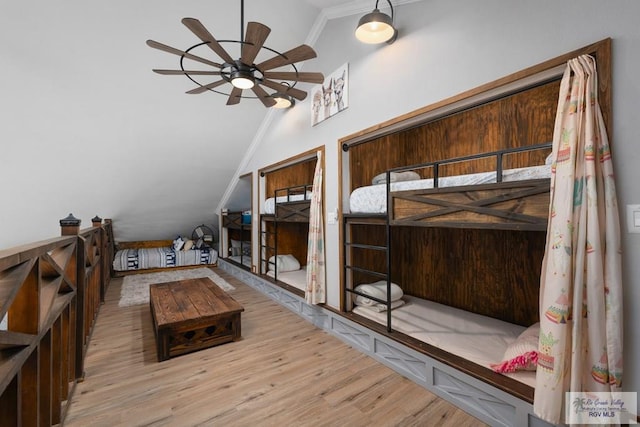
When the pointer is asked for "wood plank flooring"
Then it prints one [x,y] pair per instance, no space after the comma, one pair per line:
[284,371]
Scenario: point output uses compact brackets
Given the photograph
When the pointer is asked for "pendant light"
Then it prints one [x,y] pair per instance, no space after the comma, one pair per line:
[376,27]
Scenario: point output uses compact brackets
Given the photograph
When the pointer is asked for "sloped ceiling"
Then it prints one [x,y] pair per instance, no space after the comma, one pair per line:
[88,128]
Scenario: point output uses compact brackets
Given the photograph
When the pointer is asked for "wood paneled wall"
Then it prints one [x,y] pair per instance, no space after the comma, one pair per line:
[297,174]
[522,119]
[292,239]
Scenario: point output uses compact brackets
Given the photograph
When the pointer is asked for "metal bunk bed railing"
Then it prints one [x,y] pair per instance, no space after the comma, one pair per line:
[436,166]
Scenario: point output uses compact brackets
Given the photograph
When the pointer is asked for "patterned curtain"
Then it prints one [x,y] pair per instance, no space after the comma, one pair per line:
[580,346]
[316,287]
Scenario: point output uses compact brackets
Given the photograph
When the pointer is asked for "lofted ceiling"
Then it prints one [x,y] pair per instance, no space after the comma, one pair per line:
[84,112]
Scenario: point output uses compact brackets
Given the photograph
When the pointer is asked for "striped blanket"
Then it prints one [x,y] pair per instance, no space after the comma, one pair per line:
[144,258]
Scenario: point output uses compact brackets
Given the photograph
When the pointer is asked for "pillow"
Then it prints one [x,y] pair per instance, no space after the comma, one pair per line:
[377,290]
[235,243]
[379,308]
[284,263]
[178,243]
[522,354]
[395,177]
[188,245]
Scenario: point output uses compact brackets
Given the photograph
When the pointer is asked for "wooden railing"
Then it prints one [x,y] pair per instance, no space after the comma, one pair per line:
[50,293]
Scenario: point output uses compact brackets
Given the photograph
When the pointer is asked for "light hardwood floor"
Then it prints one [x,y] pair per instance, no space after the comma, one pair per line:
[284,372]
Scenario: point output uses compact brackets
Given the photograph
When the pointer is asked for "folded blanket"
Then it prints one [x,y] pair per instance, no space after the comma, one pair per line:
[284,263]
[379,308]
[377,290]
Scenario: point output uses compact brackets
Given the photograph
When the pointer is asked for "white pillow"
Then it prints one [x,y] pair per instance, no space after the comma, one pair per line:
[395,177]
[235,243]
[377,290]
[284,263]
[178,243]
[522,354]
[379,308]
[188,245]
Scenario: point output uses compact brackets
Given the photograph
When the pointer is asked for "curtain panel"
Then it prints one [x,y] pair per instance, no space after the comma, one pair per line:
[315,292]
[580,345]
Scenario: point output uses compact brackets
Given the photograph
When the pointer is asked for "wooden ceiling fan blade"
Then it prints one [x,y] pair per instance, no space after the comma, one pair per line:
[298,94]
[203,34]
[257,34]
[173,50]
[267,100]
[206,87]
[234,96]
[292,75]
[183,72]
[297,54]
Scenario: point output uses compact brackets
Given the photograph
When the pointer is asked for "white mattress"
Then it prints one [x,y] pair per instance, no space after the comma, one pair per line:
[270,203]
[297,278]
[373,198]
[477,338]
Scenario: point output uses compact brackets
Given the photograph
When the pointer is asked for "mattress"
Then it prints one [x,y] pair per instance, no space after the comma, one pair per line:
[164,257]
[270,203]
[373,198]
[480,339]
[296,278]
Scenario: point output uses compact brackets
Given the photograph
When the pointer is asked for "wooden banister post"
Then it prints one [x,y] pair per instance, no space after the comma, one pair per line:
[70,226]
[96,221]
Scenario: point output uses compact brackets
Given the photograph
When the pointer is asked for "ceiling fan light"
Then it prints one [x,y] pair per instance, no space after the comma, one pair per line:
[283,100]
[376,27]
[242,79]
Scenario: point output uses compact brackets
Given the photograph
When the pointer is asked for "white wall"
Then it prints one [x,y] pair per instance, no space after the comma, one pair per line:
[445,48]
[87,127]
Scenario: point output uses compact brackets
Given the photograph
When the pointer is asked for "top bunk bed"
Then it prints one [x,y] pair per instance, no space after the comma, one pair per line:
[482,166]
[420,195]
[290,204]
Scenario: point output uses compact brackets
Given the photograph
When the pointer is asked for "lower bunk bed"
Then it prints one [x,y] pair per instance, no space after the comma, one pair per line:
[155,255]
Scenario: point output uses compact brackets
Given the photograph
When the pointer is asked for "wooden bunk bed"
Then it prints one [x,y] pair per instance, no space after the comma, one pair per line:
[472,252]
[238,225]
[285,221]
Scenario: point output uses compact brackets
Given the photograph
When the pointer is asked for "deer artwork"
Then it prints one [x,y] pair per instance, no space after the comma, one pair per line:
[316,104]
[326,99]
[338,90]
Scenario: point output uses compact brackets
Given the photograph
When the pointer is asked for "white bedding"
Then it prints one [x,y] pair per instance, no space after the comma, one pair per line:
[373,198]
[270,203]
[477,338]
[297,278]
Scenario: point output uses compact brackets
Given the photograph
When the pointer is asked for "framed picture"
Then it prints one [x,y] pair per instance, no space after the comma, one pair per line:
[331,97]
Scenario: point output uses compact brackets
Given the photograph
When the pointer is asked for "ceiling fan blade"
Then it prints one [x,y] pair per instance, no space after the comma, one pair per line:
[203,34]
[297,54]
[234,96]
[257,34]
[298,94]
[179,52]
[182,72]
[267,100]
[292,75]
[202,89]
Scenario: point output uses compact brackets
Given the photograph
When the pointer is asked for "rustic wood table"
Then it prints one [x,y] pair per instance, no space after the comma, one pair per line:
[192,314]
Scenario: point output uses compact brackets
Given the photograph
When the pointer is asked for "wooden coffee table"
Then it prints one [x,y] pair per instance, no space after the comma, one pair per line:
[192,314]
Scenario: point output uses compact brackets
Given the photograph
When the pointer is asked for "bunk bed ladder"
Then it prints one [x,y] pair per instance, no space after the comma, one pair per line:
[349,269]
[265,247]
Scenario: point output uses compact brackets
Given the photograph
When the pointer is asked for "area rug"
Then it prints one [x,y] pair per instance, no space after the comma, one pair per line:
[135,288]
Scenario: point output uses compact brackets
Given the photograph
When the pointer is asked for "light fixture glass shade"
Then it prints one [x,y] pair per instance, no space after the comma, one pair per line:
[242,82]
[375,27]
[283,100]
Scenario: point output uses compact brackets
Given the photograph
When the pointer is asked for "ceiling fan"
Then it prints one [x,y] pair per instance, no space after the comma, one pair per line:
[242,73]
